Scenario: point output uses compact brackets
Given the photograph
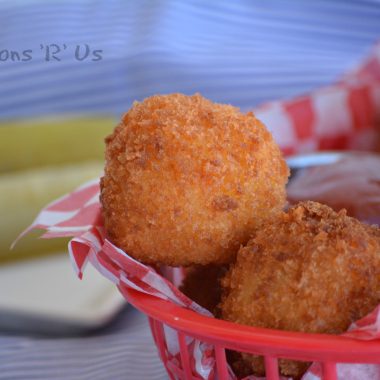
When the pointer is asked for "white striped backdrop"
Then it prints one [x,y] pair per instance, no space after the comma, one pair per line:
[239,52]
[242,53]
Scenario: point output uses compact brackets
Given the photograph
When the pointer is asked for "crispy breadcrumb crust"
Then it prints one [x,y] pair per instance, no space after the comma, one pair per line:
[187,180]
[311,270]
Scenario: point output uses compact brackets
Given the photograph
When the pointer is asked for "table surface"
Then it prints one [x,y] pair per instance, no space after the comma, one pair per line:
[122,350]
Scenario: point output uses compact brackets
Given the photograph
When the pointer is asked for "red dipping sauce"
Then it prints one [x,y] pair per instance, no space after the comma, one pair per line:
[352,182]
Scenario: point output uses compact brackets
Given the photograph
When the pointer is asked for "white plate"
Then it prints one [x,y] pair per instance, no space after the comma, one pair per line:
[45,296]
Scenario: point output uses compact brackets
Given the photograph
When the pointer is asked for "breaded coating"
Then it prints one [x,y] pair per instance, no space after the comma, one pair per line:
[187,180]
[311,270]
[202,285]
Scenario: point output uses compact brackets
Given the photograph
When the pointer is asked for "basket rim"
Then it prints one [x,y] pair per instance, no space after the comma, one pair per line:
[285,344]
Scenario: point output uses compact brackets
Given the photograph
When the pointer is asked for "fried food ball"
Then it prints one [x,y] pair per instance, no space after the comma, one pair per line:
[202,285]
[187,180]
[310,270]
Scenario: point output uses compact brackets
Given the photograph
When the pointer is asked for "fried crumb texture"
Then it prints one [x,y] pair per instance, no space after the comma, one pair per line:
[187,180]
[310,270]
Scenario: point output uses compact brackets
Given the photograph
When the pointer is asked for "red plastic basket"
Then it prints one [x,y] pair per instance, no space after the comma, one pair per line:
[72,215]
[271,344]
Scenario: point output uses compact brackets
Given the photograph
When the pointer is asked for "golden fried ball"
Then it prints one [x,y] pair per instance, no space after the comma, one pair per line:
[187,180]
[310,270]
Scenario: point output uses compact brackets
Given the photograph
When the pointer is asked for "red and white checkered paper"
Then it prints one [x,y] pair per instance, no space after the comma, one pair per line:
[345,115]
[341,116]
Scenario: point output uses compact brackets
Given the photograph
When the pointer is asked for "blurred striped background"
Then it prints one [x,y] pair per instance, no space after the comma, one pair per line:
[241,52]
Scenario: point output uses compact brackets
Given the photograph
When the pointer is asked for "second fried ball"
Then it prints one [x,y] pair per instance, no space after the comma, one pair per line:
[311,270]
[187,180]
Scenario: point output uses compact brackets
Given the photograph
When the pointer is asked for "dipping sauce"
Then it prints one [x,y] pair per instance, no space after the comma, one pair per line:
[353,183]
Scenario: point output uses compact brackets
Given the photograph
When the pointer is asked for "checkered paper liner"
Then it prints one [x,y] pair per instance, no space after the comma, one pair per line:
[344,115]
